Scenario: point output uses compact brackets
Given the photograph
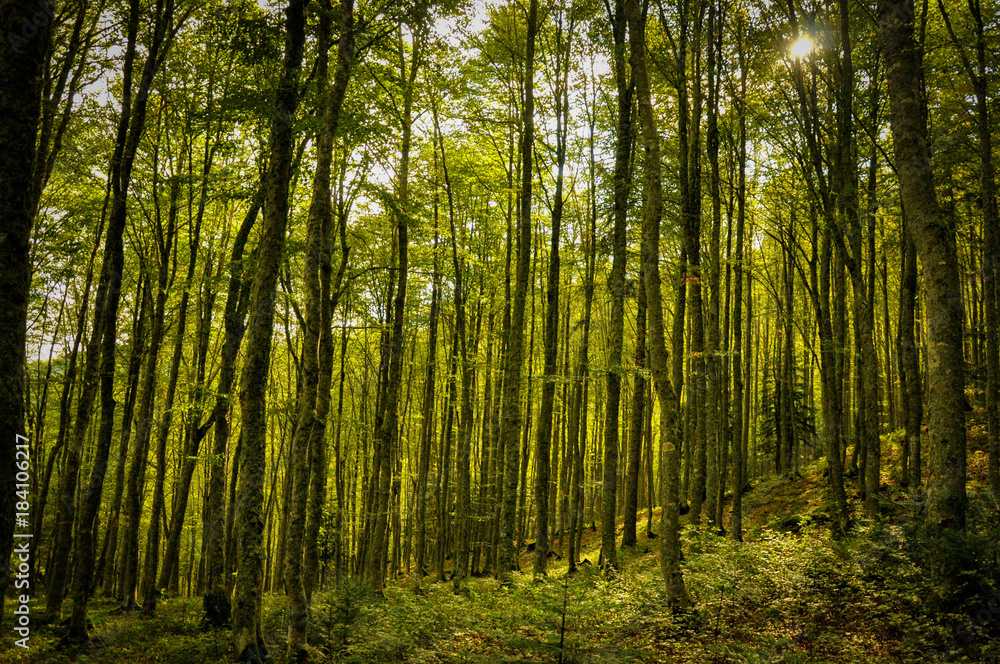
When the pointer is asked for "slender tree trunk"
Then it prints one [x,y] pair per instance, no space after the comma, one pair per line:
[670,527]
[786,362]
[106,566]
[66,505]
[832,400]
[616,285]
[577,429]
[216,597]
[511,417]
[195,431]
[158,512]
[464,497]
[714,427]
[638,422]
[70,383]
[132,124]
[428,427]
[147,397]
[248,644]
[911,394]
[314,400]
[387,425]
[739,440]
[444,469]
[979,77]
[543,438]
[692,241]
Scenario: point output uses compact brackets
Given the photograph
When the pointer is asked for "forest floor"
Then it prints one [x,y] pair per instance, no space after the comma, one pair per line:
[789,593]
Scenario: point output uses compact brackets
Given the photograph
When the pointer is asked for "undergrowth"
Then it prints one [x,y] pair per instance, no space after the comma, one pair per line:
[803,596]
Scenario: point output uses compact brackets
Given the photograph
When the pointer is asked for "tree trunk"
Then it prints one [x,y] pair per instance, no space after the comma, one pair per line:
[20,93]
[106,566]
[314,399]
[543,439]
[387,425]
[147,397]
[428,427]
[935,244]
[690,146]
[463,451]
[739,440]
[714,427]
[151,560]
[577,430]
[978,76]
[248,644]
[911,394]
[132,123]
[670,527]
[511,417]
[616,286]
[638,421]
[216,598]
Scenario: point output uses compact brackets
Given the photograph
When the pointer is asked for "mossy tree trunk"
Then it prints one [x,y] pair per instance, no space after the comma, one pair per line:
[510,425]
[935,244]
[670,546]
[248,645]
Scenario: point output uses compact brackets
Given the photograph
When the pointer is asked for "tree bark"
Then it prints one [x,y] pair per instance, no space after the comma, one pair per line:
[543,439]
[20,94]
[463,451]
[106,566]
[978,76]
[314,401]
[935,244]
[216,597]
[739,441]
[670,548]
[911,394]
[714,426]
[158,511]
[510,425]
[147,397]
[635,438]
[616,285]
[248,644]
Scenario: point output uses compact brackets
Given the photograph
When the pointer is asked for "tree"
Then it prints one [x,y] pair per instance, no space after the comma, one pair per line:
[386,423]
[317,358]
[514,359]
[935,245]
[248,643]
[616,285]
[652,209]
[20,83]
[543,440]
[104,335]
[978,77]
[739,442]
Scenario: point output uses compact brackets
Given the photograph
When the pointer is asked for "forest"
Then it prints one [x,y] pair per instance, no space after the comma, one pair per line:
[499,331]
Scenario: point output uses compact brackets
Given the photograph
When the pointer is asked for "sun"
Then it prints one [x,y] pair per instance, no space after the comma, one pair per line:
[801,47]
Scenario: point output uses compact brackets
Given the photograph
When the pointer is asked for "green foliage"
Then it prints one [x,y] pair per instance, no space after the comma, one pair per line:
[335,614]
[778,597]
[804,415]
[781,597]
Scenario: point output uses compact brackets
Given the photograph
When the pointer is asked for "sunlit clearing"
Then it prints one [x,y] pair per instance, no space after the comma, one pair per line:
[802,47]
